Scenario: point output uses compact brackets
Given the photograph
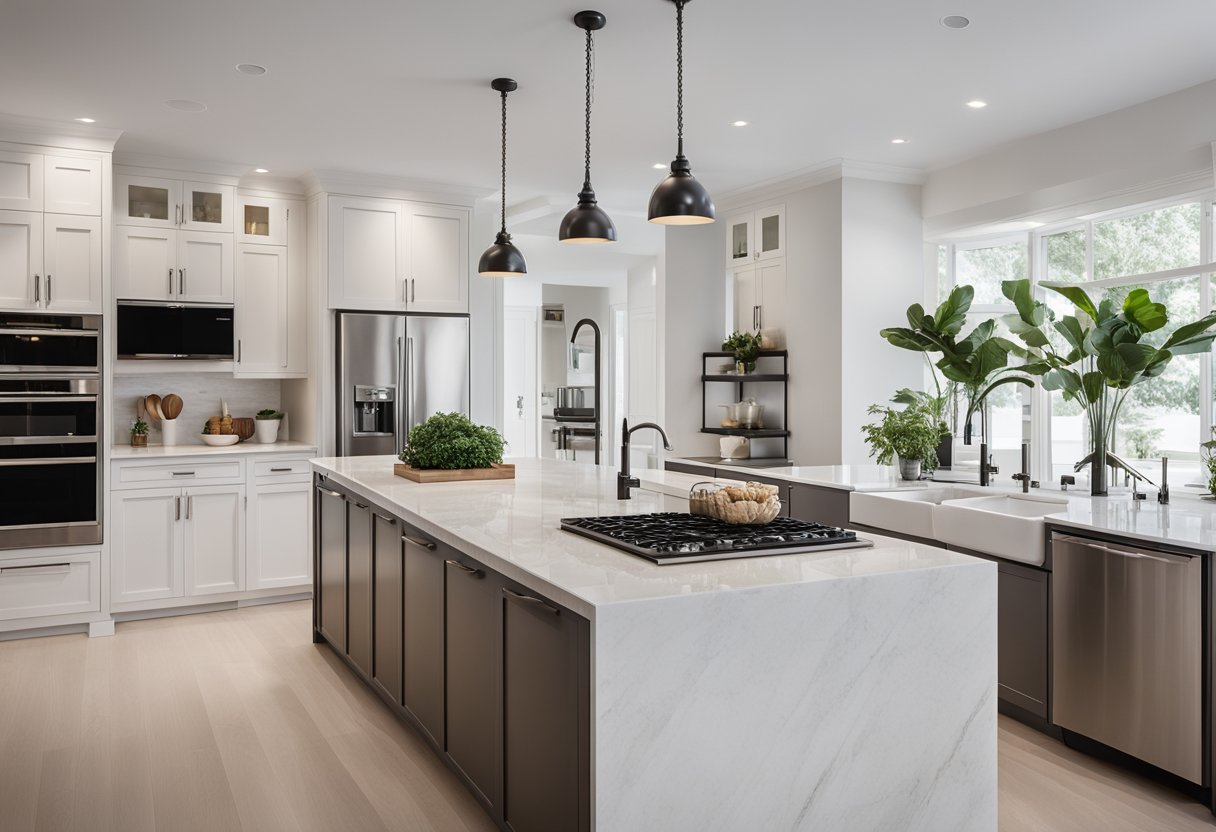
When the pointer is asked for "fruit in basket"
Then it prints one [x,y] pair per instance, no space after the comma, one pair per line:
[752,503]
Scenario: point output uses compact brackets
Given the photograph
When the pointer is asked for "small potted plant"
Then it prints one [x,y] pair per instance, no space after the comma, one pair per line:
[746,348]
[1208,453]
[139,434]
[266,426]
[451,446]
[911,435]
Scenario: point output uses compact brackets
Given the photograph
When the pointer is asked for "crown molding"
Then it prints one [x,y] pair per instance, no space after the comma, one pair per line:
[827,171]
[171,166]
[880,172]
[50,133]
[391,187]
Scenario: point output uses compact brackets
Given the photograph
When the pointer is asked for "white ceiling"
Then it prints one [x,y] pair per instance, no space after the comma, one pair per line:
[401,87]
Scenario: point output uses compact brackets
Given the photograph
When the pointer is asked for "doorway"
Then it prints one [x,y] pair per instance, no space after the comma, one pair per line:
[521,369]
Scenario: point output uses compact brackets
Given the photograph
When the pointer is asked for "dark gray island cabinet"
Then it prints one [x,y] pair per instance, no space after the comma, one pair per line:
[494,676]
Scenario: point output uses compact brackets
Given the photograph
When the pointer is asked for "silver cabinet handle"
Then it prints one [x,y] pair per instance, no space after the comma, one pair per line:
[760,320]
[413,286]
[48,290]
[37,288]
[405,290]
[177,509]
[177,215]
[385,518]
[280,470]
[528,599]
[189,505]
[468,570]
[181,473]
[429,546]
[329,493]
[238,350]
[38,569]
[170,281]
[181,281]
[360,505]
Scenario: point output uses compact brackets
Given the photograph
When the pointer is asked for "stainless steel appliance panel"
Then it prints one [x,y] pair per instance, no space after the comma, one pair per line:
[1127,661]
[41,343]
[436,368]
[369,356]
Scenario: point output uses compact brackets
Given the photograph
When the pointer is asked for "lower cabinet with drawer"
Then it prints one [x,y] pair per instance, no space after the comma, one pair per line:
[495,676]
[45,586]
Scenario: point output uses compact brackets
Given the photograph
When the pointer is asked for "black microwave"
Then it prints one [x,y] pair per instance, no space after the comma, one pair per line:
[174,331]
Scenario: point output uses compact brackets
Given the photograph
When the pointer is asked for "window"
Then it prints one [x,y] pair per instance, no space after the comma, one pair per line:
[1066,256]
[1153,241]
[987,267]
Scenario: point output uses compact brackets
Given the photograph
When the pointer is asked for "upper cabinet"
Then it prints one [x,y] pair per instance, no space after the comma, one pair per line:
[171,203]
[262,220]
[390,255]
[72,185]
[272,300]
[21,178]
[755,235]
[167,265]
[72,259]
[21,264]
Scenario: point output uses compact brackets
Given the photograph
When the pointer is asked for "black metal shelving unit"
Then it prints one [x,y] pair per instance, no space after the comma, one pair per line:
[781,378]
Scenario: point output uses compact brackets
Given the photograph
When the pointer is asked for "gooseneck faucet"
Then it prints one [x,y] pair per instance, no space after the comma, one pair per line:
[598,412]
[1024,475]
[624,482]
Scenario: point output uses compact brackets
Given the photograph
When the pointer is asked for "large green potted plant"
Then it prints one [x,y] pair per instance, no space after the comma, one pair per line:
[1104,357]
[911,435]
[450,441]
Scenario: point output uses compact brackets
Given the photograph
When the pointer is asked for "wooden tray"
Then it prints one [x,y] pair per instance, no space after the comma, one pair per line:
[497,472]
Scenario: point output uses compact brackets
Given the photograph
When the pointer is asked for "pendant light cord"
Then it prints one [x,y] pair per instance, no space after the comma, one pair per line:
[504,162]
[680,78]
[587,151]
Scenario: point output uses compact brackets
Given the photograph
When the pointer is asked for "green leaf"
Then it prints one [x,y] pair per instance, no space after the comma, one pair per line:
[907,339]
[1030,311]
[1146,314]
[1106,309]
[916,316]
[1156,364]
[1065,380]
[1078,297]
[1135,356]
[1186,332]
[1113,368]
[1073,332]
[952,313]
[1201,344]
[1091,386]
[1031,335]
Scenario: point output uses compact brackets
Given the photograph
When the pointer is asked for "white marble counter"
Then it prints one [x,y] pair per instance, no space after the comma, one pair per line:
[848,690]
[176,451]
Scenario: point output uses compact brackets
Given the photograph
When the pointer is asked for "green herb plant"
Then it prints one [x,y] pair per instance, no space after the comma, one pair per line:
[140,428]
[268,414]
[912,433]
[744,345]
[1209,460]
[450,441]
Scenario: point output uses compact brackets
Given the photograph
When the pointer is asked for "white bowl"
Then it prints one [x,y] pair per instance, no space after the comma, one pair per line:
[220,440]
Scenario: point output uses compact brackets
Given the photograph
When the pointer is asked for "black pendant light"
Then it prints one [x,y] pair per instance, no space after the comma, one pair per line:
[680,199]
[587,222]
[503,259]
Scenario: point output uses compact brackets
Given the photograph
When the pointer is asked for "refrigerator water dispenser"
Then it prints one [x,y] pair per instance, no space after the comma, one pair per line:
[375,411]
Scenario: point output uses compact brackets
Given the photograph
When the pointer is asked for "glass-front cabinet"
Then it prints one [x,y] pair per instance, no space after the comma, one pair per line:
[261,220]
[755,235]
[171,203]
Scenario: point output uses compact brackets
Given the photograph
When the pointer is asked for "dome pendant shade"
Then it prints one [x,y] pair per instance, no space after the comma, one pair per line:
[587,222]
[502,259]
[680,199]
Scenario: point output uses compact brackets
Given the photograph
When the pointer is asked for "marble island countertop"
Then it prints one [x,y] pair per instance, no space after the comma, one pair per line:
[514,525]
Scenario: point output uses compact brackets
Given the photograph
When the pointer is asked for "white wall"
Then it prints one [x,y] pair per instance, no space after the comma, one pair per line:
[882,273]
[201,395]
[643,397]
[485,323]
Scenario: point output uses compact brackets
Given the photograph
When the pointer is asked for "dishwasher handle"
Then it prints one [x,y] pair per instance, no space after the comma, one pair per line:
[1123,551]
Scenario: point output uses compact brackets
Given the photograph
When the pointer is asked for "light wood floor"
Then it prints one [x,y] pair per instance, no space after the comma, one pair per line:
[236,721]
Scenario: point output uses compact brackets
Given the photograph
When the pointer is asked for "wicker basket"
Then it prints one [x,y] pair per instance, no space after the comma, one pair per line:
[745,504]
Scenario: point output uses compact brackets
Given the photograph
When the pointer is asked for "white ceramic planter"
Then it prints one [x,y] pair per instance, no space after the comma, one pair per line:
[266,431]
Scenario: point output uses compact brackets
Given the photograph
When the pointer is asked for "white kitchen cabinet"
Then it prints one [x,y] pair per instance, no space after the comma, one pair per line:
[214,539]
[169,265]
[389,255]
[72,185]
[760,301]
[145,545]
[21,179]
[755,235]
[172,203]
[262,220]
[21,259]
[204,267]
[48,585]
[262,324]
[72,259]
[279,551]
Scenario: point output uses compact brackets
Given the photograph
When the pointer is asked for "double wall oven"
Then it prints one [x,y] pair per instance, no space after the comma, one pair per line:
[50,430]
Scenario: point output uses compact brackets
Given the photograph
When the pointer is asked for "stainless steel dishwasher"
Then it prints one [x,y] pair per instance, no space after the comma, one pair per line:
[1127,650]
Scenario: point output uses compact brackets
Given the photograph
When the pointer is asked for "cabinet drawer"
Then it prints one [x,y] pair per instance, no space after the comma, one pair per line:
[278,470]
[186,471]
[55,585]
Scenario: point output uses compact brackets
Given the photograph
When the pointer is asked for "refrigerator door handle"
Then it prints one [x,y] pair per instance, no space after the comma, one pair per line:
[409,369]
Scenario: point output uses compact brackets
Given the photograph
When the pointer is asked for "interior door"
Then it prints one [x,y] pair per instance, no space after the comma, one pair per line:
[146,542]
[261,309]
[366,254]
[520,388]
[438,242]
[72,252]
[21,264]
[204,267]
[437,367]
[214,539]
[145,263]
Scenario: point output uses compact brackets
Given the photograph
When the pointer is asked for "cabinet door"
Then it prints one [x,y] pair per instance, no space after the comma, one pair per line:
[277,540]
[20,181]
[359,586]
[739,241]
[20,259]
[297,289]
[771,278]
[145,263]
[386,582]
[261,309]
[331,578]
[437,239]
[769,233]
[422,622]
[215,539]
[747,300]
[206,207]
[72,252]
[204,267]
[366,254]
[261,221]
[1022,609]
[819,505]
[72,185]
[473,638]
[147,201]
[146,545]
[541,720]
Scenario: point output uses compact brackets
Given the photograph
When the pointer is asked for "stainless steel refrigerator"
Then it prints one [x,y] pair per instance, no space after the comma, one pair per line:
[395,371]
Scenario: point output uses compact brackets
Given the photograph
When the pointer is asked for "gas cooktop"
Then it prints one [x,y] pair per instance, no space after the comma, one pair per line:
[686,538]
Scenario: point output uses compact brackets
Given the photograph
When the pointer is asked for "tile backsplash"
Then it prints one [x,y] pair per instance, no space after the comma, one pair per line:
[201,394]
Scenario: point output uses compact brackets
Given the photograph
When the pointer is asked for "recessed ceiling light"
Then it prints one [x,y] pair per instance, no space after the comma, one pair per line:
[899,141]
[251,69]
[738,124]
[976,104]
[86,120]
[955,21]
[260,170]
[185,105]
[659,166]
